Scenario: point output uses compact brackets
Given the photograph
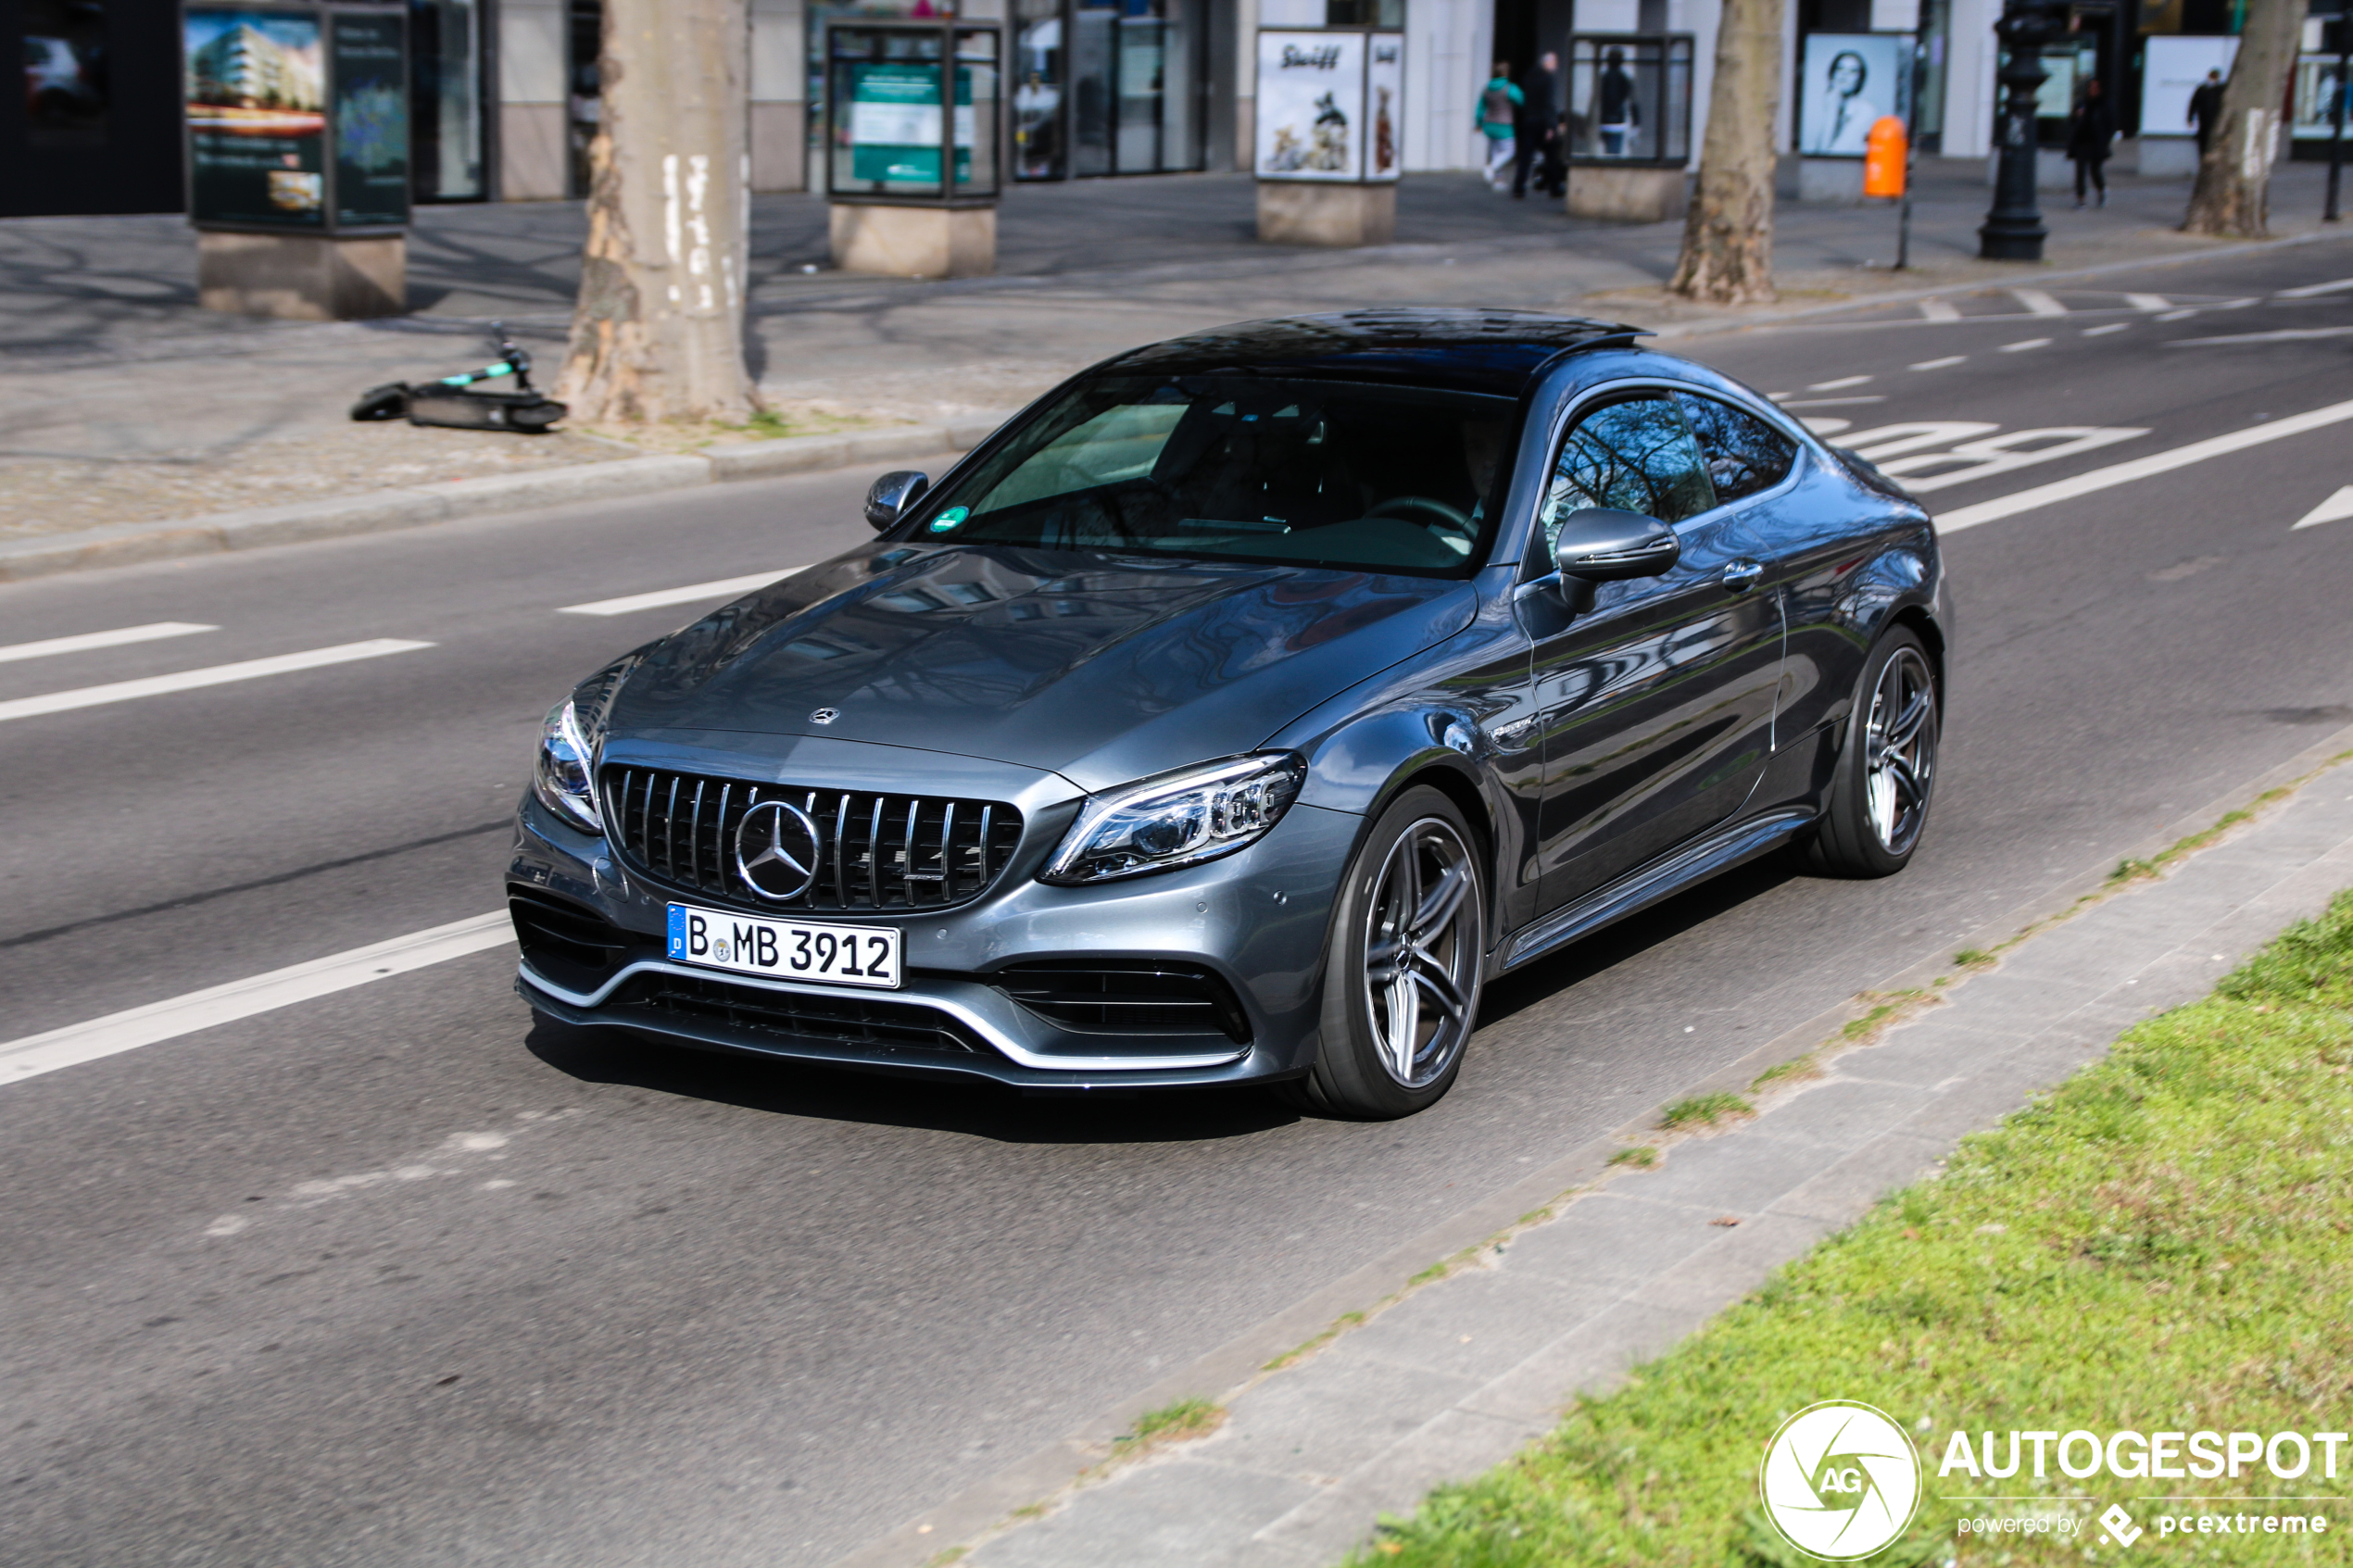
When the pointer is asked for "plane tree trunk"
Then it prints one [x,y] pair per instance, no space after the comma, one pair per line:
[1727,236]
[657,331]
[2233,190]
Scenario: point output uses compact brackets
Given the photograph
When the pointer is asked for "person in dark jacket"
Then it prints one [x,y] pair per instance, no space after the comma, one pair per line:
[2206,109]
[2093,127]
[1535,124]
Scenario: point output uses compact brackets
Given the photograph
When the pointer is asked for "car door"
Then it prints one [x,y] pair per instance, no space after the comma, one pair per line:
[1655,708]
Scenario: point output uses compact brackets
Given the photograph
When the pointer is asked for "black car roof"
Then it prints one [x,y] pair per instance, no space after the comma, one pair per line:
[1490,351]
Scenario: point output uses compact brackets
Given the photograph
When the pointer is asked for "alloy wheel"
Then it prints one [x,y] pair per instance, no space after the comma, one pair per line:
[1421,953]
[1899,759]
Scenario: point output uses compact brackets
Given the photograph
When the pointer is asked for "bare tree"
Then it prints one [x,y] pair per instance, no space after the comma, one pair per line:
[2234,192]
[657,332]
[1728,235]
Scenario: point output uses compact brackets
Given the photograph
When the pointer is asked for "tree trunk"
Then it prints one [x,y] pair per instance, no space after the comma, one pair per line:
[658,329]
[2234,193]
[1728,237]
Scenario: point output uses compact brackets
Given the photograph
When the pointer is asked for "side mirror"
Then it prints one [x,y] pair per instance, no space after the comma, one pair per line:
[889,497]
[1605,545]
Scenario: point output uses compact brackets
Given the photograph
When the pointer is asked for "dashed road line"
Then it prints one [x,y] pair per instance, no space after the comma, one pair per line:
[1835,386]
[86,641]
[2177,315]
[2141,468]
[2023,347]
[2285,334]
[1937,364]
[2311,290]
[2111,327]
[724,588]
[214,675]
[119,1031]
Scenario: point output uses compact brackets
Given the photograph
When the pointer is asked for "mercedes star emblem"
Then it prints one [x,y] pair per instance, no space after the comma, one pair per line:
[825,716]
[776,850]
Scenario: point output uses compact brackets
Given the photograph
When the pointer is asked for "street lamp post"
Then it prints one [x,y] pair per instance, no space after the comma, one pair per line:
[2013,228]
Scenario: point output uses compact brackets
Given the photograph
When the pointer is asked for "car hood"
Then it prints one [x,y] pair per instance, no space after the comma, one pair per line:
[1104,668]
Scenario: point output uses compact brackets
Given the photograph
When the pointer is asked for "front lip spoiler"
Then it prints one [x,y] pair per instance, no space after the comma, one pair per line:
[992,1033]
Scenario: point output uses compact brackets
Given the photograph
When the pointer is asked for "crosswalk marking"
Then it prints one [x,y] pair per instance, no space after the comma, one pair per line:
[215,675]
[1939,310]
[2141,468]
[2037,303]
[2148,302]
[126,1031]
[86,641]
[2309,290]
[724,588]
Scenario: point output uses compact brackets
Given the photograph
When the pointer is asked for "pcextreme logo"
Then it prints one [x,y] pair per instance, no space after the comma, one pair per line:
[1840,1480]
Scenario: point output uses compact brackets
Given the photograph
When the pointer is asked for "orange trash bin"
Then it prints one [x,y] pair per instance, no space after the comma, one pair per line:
[1883,158]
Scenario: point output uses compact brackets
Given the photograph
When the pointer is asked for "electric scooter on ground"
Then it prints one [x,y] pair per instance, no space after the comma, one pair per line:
[453,401]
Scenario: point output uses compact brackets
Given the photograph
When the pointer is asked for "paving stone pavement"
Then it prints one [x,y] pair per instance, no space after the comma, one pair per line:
[1464,1372]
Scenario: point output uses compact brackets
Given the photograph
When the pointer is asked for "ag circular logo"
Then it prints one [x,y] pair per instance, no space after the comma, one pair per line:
[1840,1480]
[776,850]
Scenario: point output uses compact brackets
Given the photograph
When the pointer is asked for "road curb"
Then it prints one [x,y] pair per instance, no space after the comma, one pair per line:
[420,505]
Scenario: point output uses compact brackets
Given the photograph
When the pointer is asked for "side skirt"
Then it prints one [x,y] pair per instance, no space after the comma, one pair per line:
[1663,878]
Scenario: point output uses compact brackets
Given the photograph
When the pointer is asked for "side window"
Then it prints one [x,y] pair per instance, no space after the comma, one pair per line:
[1744,454]
[1637,455]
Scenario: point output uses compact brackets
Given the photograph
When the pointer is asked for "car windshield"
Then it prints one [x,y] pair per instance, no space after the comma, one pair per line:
[1243,468]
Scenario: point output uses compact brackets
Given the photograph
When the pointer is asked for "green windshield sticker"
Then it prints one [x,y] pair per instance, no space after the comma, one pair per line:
[946,521]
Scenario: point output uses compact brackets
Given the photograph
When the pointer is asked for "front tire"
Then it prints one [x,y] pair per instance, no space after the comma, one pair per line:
[1885,776]
[1402,969]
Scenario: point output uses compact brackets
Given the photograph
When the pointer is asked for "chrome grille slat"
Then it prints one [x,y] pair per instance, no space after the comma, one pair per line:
[876,852]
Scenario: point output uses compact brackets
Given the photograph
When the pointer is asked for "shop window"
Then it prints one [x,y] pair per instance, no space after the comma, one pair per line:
[65,90]
[445,99]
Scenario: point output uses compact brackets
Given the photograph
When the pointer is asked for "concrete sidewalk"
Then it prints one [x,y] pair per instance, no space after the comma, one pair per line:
[1449,1378]
[122,402]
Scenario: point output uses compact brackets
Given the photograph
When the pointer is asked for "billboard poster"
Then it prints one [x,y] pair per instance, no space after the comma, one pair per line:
[368,70]
[1311,105]
[894,124]
[1848,81]
[257,119]
[1385,100]
[2172,71]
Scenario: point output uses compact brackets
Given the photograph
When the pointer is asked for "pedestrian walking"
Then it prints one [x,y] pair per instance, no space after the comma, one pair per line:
[1499,103]
[2206,109]
[1534,130]
[2090,131]
[1617,112]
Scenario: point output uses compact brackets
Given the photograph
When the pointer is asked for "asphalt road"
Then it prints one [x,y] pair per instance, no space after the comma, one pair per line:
[391,1277]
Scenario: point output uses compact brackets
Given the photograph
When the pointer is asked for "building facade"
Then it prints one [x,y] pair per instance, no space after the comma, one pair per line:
[503,93]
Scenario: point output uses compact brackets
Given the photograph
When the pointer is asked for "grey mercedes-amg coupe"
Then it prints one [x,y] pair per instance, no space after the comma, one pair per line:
[1240,708]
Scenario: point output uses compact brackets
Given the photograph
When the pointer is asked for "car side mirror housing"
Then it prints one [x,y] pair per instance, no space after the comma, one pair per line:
[1603,544]
[889,497]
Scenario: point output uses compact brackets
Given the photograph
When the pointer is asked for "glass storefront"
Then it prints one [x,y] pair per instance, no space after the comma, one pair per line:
[445,95]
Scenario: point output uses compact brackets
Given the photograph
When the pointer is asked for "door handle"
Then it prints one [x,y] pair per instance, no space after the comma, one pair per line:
[1742,575]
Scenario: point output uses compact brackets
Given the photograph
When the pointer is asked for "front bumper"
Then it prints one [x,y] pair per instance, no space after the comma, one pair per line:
[1253,922]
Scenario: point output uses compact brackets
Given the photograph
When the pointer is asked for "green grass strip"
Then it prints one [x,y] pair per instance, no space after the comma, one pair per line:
[2166,1241]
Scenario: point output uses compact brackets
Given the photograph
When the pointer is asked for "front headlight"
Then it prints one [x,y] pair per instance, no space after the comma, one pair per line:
[1177,819]
[561,779]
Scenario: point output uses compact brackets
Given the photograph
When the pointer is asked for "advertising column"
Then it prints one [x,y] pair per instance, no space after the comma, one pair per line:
[913,131]
[298,158]
[1330,104]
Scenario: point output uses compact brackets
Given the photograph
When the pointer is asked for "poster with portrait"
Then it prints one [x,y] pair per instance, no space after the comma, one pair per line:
[257,119]
[1385,106]
[1311,105]
[1846,82]
[368,61]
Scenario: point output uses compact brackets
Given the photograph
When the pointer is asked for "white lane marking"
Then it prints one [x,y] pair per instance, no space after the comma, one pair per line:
[2285,334]
[2177,315]
[2309,290]
[2037,303]
[2148,302]
[2021,347]
[2336,508]
[724,588]
[1882,442]
[85,640]
[1835,386]
[1831,402]
[2237,304]
[128,1031]
[2111,327]
[1991,455]
[215,675]
[1937,364]
[1939,310]
[2141,468]
[1825,426]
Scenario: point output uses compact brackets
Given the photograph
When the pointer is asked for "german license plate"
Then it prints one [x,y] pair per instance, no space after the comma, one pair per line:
[785,950]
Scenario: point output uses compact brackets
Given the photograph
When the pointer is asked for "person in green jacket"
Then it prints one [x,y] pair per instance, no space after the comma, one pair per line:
[1499,103]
